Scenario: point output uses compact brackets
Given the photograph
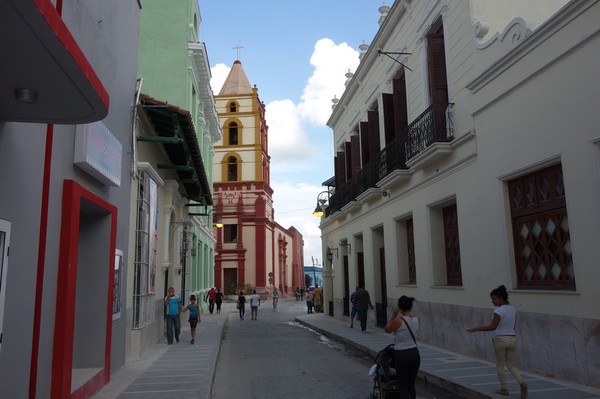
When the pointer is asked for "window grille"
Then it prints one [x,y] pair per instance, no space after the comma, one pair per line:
[410,247]
[145,253]
[541,235]
[452,246]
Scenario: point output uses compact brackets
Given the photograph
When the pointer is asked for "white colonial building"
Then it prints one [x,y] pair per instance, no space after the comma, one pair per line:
[467,157]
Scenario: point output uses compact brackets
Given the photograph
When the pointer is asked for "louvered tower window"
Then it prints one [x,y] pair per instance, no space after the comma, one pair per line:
[233,133]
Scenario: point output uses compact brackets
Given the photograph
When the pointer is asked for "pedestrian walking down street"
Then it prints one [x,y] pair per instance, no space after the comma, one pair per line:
[407,359]
[317,299]
[212,297]
[363,303]
[354,310]
[219,300]
[254,304]
[194,318]
[174,308]
[505,341]
[241,305]
[275,298]
[309,302]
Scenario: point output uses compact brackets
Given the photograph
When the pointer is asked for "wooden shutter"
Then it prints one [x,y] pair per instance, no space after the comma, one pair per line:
[374,146]
[400,106]
[400,116]
[355,155]
[364,142]
[348,151]
[438,83]
[340,171]
[389,121]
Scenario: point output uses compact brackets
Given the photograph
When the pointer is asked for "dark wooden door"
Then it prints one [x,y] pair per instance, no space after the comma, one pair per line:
[383,278]
[230,281]
[360,264]
[346,288]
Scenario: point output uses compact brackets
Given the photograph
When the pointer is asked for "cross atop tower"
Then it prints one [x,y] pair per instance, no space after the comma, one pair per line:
[237,48]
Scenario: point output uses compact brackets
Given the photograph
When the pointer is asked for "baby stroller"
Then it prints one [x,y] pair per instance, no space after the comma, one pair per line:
[385,385]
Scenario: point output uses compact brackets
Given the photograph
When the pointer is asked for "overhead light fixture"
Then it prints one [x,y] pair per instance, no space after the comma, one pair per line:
[26,96]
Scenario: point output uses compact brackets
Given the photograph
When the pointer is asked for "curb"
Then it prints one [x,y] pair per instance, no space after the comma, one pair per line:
[218,352]
[425,376]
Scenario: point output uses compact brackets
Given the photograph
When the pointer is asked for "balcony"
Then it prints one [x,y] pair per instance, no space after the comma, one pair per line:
[342,197]
[428,138]
[392,167]
[388,165]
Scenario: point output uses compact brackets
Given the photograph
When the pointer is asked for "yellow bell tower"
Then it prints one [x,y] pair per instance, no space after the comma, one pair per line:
[243,196]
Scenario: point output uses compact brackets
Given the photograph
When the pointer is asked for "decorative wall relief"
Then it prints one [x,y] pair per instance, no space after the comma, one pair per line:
[515,32]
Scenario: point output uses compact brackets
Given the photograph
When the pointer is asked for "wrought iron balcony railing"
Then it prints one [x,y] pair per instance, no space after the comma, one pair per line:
[367,177]
[391,158]
[435,125]
[388,160]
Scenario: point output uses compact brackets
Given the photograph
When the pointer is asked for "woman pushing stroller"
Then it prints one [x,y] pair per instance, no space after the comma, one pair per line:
[407,359]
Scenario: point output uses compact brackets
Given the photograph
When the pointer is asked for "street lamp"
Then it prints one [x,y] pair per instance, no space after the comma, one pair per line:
[318,212]
[330,254]
[322,203]
[218,222]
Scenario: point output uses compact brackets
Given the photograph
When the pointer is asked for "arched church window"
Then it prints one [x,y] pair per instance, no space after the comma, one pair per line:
[232,169]
[232,107]
[233,133]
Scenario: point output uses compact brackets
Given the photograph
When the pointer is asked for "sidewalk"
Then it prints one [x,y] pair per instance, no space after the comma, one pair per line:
[178,371]
[468,377]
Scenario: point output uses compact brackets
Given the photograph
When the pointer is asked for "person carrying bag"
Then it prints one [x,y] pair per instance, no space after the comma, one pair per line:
[407,358]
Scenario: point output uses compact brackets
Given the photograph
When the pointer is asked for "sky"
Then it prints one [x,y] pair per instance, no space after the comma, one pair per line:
[297,54]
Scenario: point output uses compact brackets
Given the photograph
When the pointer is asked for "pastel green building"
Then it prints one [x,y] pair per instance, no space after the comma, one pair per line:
[174,68]
[176,125]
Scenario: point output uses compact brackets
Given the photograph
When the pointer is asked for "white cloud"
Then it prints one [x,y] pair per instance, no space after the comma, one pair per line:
[331,62]
[287,140]
[294,204]
[219,73]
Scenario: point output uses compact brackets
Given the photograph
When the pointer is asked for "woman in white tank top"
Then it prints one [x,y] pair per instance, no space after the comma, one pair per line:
[407,359]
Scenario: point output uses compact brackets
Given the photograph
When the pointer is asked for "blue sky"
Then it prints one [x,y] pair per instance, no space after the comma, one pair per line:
[297,54]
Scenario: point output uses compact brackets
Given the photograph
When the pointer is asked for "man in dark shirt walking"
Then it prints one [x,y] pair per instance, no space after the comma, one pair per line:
[363,303]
